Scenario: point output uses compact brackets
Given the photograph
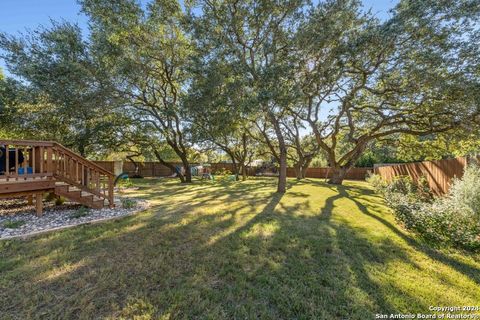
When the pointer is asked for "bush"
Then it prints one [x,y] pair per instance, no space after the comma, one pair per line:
[128,203]
[423,189]
[377,182]
[125,183]
[403,185]
[80,212]
[13,224]
[222,172]
[452,220]
[59,201]
[465,192]
[51,197]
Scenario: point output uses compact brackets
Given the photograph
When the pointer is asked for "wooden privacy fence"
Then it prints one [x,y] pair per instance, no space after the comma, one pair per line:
[156,169]
[438,174]
[323,173]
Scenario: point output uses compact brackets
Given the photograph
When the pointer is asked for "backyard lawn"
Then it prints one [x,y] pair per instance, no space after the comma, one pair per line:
[236,250]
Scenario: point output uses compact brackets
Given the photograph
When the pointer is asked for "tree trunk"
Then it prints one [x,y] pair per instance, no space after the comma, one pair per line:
[303,172]
[235,168]
[282,176]
[298,170]
[337,175]
[136,166]
[305,167]
[169,165]
[244,172]
[182,154]
[188,171]
[301,167]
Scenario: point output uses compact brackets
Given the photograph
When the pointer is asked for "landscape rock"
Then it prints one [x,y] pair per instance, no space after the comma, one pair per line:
[18,219]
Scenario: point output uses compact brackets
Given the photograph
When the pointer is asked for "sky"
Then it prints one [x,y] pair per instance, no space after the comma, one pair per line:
[20,15]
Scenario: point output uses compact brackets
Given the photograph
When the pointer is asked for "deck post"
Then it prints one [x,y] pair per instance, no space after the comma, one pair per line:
[111,198]
[30,199]
[39,204]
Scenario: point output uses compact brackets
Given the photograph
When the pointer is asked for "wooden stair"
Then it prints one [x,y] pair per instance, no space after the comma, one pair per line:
[50,167]
[75,194]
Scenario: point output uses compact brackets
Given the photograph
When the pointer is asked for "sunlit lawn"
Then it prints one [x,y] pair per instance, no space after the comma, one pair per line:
[236,250]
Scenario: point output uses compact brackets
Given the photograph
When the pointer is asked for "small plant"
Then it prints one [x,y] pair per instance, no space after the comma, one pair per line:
[51,197]
[465,192]
[59,201]
[377,182]
[128,203]
[423,190]
[403,185]
[13,224]
[222,172]
[125,183]
[80,213]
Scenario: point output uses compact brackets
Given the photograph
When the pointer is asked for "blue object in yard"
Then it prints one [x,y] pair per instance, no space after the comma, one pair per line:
[123,176]
[22,170]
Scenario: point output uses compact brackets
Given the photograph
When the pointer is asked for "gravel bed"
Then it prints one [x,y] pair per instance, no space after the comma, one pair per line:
[17,218]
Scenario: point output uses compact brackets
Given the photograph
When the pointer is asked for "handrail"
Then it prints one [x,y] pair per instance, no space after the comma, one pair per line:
[82,159]
[90,181]
[27,143]
[33,143]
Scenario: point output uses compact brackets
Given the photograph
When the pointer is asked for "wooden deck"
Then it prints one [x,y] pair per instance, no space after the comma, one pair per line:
[33,168]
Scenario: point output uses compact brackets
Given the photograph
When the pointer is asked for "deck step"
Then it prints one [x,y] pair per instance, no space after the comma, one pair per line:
[78,195]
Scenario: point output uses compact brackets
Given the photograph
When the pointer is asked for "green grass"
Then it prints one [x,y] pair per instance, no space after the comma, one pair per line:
[236,250]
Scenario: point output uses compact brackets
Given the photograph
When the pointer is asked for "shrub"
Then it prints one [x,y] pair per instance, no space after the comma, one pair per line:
[51,197]
[59,201]
[465,192]
[125,183]
[452,220]
[423,189]
[13,224]
[222,172]
[401,184]
[377,182]
[415,191]
[80,212]
[128,203]
[443,222]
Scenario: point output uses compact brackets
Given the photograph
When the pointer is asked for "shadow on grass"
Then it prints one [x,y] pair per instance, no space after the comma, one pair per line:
[210,251]
[472,272]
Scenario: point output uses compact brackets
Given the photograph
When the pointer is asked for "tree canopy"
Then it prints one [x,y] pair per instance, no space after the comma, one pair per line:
[289,80]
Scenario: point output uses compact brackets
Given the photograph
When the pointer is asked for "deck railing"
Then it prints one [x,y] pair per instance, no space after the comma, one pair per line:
[82,173]
[50,160]
[25,160]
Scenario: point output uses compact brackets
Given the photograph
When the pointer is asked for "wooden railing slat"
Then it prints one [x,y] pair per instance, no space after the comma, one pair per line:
[7,159]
